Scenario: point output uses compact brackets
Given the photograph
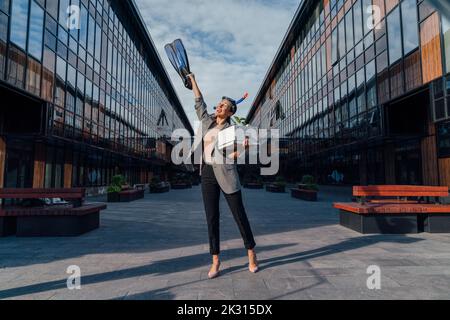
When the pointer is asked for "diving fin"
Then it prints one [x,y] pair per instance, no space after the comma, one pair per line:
[178,58]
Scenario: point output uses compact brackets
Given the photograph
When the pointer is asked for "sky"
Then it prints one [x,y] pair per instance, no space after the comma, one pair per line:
[230,43]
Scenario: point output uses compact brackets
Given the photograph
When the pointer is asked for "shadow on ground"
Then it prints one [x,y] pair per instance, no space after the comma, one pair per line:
[170,221]
[185,263]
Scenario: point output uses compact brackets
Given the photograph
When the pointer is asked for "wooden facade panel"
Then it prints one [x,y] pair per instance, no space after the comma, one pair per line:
[430,170]
[39,166]
[444,171]
[68,166]
[2,161]
[431,48]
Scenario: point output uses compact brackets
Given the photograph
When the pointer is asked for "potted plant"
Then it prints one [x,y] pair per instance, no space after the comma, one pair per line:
[158,186]
[181,181]
[278,186]
[253,182]
[118,183]
[307,190]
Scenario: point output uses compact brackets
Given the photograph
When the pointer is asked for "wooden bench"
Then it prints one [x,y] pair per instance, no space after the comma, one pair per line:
[401,210]
[71,219]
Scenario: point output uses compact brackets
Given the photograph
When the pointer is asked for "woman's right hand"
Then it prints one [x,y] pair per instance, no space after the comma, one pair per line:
[191,76]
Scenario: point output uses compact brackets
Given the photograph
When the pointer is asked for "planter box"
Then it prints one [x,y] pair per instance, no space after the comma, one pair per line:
[50,221]
[380,223]
[254,185]
[181,186]
[126,196]
[160,188]
[7,226]
[307,195]
[275,188]
[113,197]
[57,226]
[436,223]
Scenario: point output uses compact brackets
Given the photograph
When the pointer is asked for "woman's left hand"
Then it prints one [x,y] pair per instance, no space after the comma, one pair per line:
[246,144]
[237,154]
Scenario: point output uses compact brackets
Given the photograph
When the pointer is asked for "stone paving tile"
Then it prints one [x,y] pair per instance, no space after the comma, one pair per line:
[157,249]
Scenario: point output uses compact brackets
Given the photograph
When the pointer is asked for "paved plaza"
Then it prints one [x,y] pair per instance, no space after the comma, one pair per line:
[156,248]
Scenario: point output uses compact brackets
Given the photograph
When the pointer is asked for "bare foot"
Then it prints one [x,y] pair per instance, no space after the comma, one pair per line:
[214,271]
[252,261]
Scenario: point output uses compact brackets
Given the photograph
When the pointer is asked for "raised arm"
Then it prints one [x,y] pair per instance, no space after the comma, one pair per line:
[200,105]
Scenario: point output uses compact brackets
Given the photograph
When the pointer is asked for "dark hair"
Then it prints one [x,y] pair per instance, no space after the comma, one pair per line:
[233,104]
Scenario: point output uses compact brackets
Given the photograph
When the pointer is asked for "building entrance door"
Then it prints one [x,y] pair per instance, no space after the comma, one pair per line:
[408,165]
[19,164]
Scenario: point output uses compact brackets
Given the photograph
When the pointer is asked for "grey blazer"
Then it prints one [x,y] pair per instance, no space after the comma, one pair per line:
[226,174]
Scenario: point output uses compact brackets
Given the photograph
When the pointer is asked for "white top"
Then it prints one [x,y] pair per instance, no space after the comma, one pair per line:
[209,142]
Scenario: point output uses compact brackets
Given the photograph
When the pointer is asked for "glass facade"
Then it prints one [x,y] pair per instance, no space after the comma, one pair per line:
[334,81]
[100,84]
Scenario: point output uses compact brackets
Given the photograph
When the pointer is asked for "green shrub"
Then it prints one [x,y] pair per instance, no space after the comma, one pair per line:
[155,180]
[114,189]
[116,184]
[308,179]
[118,180]
[253,178]
[308,183]
[280,181]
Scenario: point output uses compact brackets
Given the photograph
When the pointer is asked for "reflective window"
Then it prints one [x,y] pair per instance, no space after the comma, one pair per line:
[446,33]
[60,81]
[83,25]
[367,15]
[357,13]
[3,37]
[98,42]
[349,29]
[36,31]
[19,18]
[52,8]
[341,31]
[91,35]
[3,27]
[370,70]
[394,36]
[33,76]
[410,27]
[48,74]
[71,76]
[443,133]
[63,15]
[4,5]
[16,67]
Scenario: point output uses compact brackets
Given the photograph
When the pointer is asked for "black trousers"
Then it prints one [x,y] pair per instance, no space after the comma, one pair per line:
[211,196]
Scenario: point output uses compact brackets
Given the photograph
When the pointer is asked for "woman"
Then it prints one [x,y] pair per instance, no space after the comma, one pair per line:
[220,176]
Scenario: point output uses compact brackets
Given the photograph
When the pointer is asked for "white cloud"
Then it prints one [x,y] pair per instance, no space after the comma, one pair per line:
[230,43]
